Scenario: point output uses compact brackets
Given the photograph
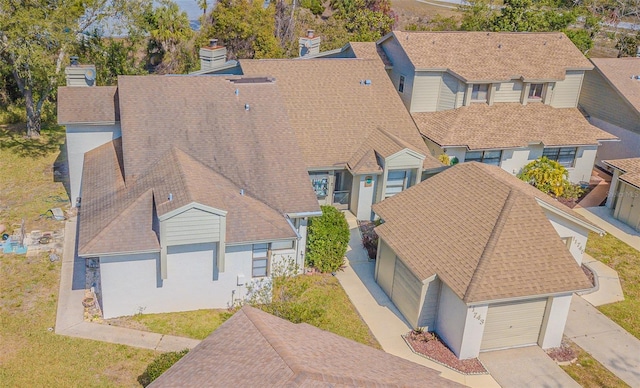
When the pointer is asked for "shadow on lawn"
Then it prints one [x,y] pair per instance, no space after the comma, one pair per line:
[13,137]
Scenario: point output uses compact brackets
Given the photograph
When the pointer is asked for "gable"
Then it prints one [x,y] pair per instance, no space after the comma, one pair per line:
[404,159]
[192,224]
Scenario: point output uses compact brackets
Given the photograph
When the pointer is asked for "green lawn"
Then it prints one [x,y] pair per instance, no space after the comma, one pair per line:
[319,299]
[589,373]
[31,355]
[625,260]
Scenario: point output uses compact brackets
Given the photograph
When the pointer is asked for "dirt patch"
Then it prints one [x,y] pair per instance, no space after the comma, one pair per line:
[429,345]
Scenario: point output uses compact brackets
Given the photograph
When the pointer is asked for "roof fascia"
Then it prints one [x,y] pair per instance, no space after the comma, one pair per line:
[570,217]
[192,205]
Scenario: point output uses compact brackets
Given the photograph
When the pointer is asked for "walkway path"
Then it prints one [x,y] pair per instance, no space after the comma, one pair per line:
[70,314]
[602,217]
[607,342]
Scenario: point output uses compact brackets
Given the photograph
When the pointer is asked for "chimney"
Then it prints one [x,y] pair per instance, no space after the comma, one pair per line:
[212,56]
[80,75]
[309,44]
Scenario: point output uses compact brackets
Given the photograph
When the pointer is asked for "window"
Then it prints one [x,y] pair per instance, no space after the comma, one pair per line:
[566,156]
[401,84]
[260,261]
[281,245]
[397,181]
[320,183]
[487,157]
[535,91]
[479,92]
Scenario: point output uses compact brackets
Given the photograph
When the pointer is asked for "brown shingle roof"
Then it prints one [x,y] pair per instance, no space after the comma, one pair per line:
[494,56]
[482,126]
[115,218]
[619,71]
[370,50]
[482,232]
[88,104]
[379,142]
[256,349]
[630,168]
[331,109]
[255,148]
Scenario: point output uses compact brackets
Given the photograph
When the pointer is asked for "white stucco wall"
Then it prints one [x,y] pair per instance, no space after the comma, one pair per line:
[473,331]
[565,228]
[585,159]
[82,138]
[613,189]
[554,321]
[627,147]
[132,284]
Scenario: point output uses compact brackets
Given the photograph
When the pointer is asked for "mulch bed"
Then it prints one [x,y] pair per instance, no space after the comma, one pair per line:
[369,238]
[589,274]
[429,345]
[563,354]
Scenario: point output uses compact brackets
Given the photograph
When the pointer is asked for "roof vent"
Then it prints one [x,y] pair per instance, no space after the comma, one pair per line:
[246,107]
[499,45]
[237,92]
[170,197]
[241,191]
[366,82]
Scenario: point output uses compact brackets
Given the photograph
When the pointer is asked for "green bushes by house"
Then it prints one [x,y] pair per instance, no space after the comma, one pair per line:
[328,238]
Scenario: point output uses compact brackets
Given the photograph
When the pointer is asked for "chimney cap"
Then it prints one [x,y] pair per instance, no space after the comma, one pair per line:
[213,42]
[74,60]
[310,33]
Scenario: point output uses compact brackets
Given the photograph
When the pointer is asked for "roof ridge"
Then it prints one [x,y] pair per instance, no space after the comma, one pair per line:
[175,153]
[276,343]
[492,242]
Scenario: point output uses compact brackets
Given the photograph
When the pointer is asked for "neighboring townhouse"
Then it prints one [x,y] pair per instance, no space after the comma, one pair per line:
[496,97]
[256,349]
[481,258]
[624,192]
[610,95]
[197,188]
[358,142]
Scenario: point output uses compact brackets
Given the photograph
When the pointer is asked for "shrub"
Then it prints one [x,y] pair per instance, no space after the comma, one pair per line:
[550,177]
[159,366]
[328,238]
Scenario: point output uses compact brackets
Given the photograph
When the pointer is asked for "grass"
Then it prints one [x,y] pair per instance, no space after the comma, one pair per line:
[626,260]
[332,311]
[30,353]
[589,373]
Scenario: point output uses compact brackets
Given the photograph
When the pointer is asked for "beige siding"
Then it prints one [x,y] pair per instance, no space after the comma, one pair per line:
[429,309]
[462,87]
[600,100]
[566,93]
[385,269]
[513,324]
[191,227]
[426,87]
[402,160]
[406,292]
[628,206]
[448,92]
[401,66]
[508,92]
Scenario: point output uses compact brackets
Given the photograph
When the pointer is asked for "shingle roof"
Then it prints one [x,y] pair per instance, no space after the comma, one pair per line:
[379,142]
[482,126]
[493,56]
[482,232]
[619,71]
[254,349]
[630,168]
[115,218]
[255,147]
[332,109]
[88,104]
[369,50]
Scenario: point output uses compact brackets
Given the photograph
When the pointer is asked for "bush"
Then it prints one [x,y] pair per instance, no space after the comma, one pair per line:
[328,238]
[549,177]
[159,366]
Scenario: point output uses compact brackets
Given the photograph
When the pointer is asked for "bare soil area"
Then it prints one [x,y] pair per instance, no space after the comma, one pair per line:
[430,346]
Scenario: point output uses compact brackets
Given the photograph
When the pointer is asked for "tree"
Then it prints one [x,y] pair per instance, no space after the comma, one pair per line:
[35,37]
[549,177]
[244,27]
[328,238]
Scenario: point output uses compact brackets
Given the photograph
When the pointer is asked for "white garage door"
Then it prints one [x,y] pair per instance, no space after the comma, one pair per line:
[406,292]
[513,324]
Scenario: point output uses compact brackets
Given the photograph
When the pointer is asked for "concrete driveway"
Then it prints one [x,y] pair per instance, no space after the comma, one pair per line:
[525,367]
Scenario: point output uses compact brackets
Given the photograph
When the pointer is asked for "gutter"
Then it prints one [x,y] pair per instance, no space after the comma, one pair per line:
[111,254]
[303,214]
[519,298]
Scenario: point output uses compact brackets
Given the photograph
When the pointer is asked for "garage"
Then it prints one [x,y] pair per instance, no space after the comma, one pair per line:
[405,293]
[628,206]
[513,324]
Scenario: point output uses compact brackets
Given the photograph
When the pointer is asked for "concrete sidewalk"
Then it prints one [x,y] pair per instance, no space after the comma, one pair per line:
[607,342]
[602,217]
[608,287]
[381,315]
[70,314]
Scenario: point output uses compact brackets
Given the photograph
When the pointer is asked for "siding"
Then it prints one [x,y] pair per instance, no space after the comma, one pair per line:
[426,87]
[448,92]
[401,66]
[403,160]
[406,292]
[190,227]
[566,93]
[508,92]
[600,100]
[429,309]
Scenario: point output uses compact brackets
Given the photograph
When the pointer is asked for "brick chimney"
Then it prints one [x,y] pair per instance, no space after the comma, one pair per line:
[212,56]
[309,44]
[80,75]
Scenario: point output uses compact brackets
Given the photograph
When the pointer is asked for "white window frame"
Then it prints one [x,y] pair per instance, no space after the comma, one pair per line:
[483,157]
[532,88]
[478,91]
[259,254]
[556,157]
